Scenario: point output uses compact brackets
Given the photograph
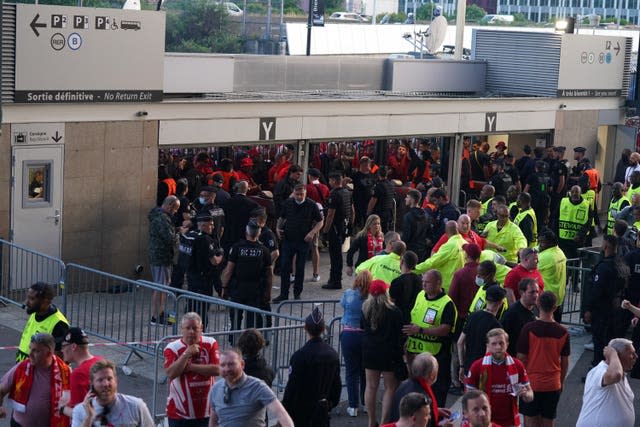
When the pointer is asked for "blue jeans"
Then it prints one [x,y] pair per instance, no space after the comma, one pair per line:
[351,343]
[289,250]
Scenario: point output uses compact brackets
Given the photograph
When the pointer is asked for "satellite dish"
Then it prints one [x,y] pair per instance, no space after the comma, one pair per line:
[435,34]
[131,5]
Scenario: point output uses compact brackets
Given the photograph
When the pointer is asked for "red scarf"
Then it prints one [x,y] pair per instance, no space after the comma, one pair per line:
[23,380]
[374,245]
[486,382]
[434,403]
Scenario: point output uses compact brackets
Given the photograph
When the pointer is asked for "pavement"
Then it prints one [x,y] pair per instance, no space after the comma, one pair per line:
[139,381]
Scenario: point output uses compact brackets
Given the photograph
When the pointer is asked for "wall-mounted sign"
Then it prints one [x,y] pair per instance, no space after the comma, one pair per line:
[70,55]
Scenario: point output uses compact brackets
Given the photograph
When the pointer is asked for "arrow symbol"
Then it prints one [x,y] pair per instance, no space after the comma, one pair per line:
[617,48]
[35,25]
[56,138]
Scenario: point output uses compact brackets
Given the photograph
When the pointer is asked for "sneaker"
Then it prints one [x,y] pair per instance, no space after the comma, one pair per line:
[315,278]
[352,412]
[280,298]
[153,321]
[588,346]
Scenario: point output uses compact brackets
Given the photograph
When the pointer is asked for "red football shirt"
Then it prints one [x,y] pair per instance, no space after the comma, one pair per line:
[80,381]
[518,273]
[188,393]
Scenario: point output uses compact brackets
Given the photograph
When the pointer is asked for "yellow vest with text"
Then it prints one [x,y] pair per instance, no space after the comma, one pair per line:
[552,265]
[428,314]
[34,327]
[614,208]
[572,218]
[532,214]
[480,302]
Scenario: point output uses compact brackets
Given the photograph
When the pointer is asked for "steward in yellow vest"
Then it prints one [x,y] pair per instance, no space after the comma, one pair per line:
[448,259]
[44,317]
[484,279]
[433,320]
[617,203]
[505,233]
[526,219]
[574,222]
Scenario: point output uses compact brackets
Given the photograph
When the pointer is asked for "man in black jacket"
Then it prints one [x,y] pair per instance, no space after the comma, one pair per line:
[416,226]
[314,384]
[381,202]
[237,212]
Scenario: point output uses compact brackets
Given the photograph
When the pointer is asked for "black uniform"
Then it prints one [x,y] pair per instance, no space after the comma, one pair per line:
[363,184]
[603,301]
[202,276]
[185,248]
[447,212]
[217,213]
[510,170]
[501,181]
[314,384]
[237,212]
[557,170]
[539,189]
[250,280]
[340,201]
[416,229]
[384,194]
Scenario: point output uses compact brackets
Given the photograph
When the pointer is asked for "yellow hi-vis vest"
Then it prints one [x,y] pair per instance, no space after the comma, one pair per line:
[34,327]
[614,208]
[631,191]
[509,237]
[480,302]
[428,314]
[572,218]
[532,214]
[484,207]
[590,195]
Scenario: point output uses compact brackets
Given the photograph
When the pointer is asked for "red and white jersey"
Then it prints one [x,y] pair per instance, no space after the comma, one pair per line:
[188,393]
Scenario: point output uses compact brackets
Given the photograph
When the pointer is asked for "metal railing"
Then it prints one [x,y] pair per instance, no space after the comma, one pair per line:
[301,308]
[20,267]
[575,292]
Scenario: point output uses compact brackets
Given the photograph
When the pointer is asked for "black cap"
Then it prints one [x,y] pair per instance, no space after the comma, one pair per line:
[76,336]
[579,150]
[314,172]
[218,177]
[495,293]
[203,217]
[208,188]
[560,149]
[315,319]
[258,212]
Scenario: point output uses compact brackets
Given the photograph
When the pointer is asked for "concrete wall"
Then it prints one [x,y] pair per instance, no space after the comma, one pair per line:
[5,175]
[577,128]
[109,186]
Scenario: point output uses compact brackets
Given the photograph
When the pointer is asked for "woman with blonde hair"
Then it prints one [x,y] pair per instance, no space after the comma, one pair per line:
[368,243]
[351,339]
[381,349]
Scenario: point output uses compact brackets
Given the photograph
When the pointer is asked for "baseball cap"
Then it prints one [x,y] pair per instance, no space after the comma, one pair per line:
[579,150]
[76,336]
[218,177]
[203,218]
[378,287]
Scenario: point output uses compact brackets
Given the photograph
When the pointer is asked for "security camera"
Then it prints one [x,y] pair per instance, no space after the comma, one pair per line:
[138,269]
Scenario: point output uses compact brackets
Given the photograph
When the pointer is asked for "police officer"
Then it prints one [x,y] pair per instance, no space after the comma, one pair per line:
[511,170]
[602,303]
[248,277]
[314,383]
[381,201]
[617,203]
[203,271]
[526,219]
[574,222]
[558,171]
[539,187]
[500,179]
[340,215]
[577,169]
[433,319]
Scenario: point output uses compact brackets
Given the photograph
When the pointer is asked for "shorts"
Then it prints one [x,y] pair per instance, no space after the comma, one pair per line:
[161,274]
[544,403]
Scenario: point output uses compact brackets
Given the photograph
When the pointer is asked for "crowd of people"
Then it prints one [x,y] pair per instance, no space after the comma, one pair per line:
[446,299]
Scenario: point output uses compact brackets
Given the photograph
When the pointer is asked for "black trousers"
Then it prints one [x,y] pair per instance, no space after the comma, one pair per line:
[602,329]
[202,285]
[443,382]
[335,256]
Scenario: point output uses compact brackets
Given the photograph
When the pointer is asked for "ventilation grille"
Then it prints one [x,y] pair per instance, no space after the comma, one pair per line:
[519,63]
[8,60]
[626,77]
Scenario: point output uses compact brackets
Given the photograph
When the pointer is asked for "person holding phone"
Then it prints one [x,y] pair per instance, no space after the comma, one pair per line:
[105,406]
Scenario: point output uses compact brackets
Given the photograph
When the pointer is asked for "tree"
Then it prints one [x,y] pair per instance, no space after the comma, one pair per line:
[474,13]
[425,12]
[199,26]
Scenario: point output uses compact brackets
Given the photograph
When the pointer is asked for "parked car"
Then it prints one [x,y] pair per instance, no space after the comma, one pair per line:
[347,17]
[232,9]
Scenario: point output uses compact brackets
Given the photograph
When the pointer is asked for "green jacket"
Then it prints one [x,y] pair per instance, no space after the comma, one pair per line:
[552,265]
[382,267]
[162,238]
[448,260]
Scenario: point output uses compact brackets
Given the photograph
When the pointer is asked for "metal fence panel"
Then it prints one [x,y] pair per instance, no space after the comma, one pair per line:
[21,267]
[302,308]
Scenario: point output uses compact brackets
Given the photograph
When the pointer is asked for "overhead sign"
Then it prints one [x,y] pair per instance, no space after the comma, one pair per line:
[37,133]
[591,66]
[71,54]
[490,120]
[267,130]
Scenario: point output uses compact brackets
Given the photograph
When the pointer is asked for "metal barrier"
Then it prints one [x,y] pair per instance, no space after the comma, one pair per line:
[21,267]
[283,342]
[577,277]
[301,308]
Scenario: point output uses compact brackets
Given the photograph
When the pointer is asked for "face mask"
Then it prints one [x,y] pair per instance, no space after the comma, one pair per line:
[201,200]
[479,281]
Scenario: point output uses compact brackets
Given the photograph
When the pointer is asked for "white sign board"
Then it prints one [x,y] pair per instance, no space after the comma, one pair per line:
[591,66]
[37,133]
[72,54]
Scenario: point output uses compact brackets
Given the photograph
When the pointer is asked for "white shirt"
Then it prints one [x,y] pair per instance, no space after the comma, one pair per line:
[629,171]
[606,406]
